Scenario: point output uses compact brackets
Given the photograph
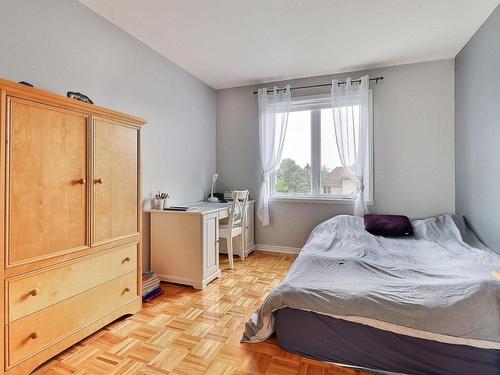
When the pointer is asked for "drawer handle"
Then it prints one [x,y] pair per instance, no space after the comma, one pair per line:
[127,259]
[33,292]
[99,180]
[35,335]
[126,290]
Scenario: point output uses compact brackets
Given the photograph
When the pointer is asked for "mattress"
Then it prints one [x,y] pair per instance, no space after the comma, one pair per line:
[340,341]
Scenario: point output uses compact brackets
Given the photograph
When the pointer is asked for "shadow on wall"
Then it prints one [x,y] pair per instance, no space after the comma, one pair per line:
[145,240]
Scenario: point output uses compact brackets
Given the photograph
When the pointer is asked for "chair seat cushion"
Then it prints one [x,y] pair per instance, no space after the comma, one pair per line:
[224,231]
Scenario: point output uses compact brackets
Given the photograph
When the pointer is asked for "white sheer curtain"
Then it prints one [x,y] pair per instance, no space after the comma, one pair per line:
[350,106]
[273,119]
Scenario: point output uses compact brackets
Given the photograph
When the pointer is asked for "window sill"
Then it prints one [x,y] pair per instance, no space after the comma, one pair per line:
[314,199]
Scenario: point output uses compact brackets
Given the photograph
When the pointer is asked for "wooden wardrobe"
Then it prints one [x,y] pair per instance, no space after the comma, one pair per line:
[70,223]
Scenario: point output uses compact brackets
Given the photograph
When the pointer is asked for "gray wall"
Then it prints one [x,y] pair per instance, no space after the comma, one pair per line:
[413,153]
[477,72]
[61,46]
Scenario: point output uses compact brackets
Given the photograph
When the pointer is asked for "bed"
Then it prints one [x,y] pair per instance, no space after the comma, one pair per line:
[420,305]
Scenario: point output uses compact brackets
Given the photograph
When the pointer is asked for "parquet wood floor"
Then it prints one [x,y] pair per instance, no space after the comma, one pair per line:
[189,332]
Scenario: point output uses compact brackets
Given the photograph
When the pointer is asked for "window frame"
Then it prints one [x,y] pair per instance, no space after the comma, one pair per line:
[315,103]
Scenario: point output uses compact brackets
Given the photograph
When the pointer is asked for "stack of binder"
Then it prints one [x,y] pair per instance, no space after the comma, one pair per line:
[150,286]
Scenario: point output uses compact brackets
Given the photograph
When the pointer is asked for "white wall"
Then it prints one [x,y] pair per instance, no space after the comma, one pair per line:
[413,153]
[60,46]
[478,131]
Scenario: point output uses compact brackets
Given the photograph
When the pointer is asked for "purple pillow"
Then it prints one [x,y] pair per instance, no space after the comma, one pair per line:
[388,225]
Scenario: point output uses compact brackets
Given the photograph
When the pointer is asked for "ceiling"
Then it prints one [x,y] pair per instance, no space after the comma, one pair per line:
[228,43]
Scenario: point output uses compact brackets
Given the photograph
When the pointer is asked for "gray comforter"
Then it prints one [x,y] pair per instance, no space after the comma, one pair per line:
[433,282]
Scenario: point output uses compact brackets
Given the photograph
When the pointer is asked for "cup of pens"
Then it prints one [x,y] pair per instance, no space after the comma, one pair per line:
[160,200]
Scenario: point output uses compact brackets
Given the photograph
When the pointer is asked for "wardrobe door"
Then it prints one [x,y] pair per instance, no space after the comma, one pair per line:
[115,181]
[47,181]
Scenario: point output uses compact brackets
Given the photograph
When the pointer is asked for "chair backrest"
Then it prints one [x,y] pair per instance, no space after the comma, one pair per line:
[237,214]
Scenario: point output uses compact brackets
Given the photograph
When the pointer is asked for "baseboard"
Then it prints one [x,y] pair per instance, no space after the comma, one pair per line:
[277,249]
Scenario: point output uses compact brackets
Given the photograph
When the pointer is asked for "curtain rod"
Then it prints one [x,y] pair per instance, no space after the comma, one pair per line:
[376,79]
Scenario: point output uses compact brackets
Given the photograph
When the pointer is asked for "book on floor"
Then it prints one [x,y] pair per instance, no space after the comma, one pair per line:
[150,286]
[153,294]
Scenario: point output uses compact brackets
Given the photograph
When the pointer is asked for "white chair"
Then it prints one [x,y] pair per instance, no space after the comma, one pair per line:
[236,224]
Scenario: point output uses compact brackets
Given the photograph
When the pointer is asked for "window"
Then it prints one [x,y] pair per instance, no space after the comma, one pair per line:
[310,165]
[294,174]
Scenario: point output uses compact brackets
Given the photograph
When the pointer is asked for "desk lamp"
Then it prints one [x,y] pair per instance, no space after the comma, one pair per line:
[211,198]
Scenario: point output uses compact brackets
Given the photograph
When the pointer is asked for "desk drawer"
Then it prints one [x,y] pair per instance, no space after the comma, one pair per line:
[224,213]
[38,290]
[36,331]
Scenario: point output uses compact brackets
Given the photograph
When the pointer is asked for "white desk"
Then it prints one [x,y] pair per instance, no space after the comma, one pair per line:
[185,244]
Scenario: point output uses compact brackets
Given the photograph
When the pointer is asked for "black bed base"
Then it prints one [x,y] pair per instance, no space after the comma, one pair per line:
[340,341]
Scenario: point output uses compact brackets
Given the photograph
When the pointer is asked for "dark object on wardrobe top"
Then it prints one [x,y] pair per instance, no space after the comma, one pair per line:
[79,96]
[26,83]
[388,225]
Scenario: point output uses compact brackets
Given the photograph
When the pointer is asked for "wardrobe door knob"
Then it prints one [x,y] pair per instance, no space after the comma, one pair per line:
[99,180]
[33,292]
[82,181]
[35,335]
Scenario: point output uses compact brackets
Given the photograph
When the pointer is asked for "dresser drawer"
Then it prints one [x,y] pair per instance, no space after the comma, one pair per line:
[34,332]
[38,290]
